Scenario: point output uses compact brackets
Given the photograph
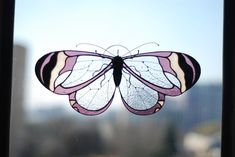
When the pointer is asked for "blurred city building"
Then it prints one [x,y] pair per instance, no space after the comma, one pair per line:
[17,102]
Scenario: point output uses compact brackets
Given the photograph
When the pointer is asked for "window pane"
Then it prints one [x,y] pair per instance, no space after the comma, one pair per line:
[188,125]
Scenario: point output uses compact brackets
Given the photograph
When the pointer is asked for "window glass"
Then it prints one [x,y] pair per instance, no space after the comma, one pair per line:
[44,124]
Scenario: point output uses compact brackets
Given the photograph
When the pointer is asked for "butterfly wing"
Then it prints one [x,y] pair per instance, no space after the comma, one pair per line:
[139,98]
[84,76]
[96,97]
[156,74]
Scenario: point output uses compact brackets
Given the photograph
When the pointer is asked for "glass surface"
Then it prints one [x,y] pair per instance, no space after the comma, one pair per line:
[43,124]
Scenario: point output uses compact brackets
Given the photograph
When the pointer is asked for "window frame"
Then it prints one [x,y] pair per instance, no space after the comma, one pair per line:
[6,47]
[228,104]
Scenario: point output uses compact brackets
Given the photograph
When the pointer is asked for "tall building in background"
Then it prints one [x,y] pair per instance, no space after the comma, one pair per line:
[17,102]
[204,105]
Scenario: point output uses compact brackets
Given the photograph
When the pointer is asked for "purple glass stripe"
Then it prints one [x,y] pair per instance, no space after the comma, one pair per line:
[165,64]
[85,53]
[69,64]
[157,53]
[153,54]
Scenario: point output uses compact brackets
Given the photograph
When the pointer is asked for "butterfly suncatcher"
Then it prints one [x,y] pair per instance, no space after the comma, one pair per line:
[90,79]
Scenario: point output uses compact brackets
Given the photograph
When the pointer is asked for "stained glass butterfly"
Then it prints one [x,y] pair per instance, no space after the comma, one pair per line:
[90,79]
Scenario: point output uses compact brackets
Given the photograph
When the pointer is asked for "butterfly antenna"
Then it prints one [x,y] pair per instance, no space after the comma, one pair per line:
[118,45]
[89,44]
[105,50]
[148,43]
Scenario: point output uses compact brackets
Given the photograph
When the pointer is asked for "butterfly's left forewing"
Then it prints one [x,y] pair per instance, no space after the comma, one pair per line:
[84,76]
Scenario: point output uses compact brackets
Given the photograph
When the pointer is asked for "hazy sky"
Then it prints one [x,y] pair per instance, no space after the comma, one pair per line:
[194,27]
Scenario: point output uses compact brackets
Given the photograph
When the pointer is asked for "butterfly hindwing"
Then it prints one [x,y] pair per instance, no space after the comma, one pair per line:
[96,97]
[139,98]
